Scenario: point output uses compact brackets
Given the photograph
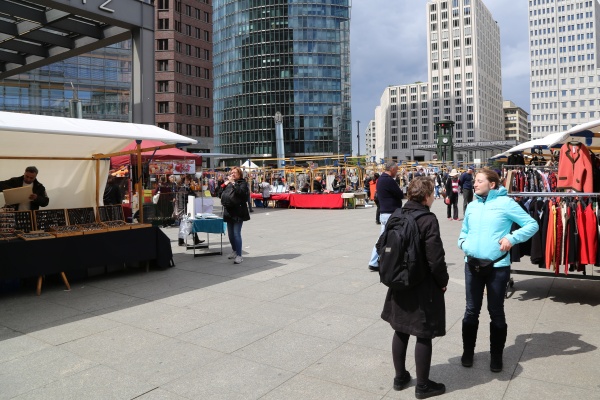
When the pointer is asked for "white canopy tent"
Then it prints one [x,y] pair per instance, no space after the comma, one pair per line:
[588,134]
[249,165]
[72,155]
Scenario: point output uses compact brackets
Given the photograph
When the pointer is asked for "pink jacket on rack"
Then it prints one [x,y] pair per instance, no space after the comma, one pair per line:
[575,168]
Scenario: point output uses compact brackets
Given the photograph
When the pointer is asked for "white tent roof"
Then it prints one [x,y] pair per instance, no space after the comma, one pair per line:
[68,183]
[249,165]
[587,133]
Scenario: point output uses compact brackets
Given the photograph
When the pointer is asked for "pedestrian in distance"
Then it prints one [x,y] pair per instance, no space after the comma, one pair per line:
[486,240]
[465,182]
[451,199]
[390,198]
[235,210]
[420,310]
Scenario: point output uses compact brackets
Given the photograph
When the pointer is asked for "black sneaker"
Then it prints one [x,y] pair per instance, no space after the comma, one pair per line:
[372,268]
[429,390]
[401,381]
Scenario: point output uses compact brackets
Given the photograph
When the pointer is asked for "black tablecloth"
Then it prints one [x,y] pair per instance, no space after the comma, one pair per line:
[22,259]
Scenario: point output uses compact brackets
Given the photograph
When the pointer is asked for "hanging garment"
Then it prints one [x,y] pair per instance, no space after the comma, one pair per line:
[575,168]
[571,240]
[560,237]
[551,237]
[584,254]
[537,213]
[591,232]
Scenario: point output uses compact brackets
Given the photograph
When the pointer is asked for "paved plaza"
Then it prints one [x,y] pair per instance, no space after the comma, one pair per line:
[298,319]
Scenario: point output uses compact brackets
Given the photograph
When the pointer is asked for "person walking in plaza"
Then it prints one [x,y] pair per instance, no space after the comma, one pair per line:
[486,239]
[390,198]
[451,199]
[237,212]
[466,187]
[420,311]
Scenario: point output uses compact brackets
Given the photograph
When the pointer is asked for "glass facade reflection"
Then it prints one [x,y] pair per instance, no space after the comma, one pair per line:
[102,79]
[290,56]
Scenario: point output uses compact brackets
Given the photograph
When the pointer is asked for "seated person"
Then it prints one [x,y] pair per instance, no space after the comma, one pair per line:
[317,185]
[305,188]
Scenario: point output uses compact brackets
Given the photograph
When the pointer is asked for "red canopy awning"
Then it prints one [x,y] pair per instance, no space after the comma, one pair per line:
[163,154]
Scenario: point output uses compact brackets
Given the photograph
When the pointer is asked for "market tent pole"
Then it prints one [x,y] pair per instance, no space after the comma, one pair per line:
[139,184]
[97,184]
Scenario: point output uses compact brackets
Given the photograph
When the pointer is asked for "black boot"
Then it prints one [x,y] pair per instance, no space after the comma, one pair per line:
[497,342]
[469,336]
[197,240]
[181,242]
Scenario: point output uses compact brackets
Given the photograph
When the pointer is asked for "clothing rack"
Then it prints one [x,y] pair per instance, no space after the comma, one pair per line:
[554,194]
[550,167]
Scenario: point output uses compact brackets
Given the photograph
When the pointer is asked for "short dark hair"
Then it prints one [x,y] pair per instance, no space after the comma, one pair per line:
[491,175]
[31,169]
[419,188]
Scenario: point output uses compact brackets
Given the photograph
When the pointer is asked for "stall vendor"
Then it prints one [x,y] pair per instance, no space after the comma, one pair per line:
[38,198]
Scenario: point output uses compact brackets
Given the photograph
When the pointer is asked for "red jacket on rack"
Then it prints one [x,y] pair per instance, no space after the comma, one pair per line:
[575,168]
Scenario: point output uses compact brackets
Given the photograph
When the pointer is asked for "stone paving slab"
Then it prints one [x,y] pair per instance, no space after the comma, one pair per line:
[298,319]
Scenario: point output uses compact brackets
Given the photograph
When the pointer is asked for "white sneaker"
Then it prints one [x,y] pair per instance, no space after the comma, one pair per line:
[232,256]
[238,260]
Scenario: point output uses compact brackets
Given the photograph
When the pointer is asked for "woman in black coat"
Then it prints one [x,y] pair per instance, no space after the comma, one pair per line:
[420,311]
[235,215]
[452,190]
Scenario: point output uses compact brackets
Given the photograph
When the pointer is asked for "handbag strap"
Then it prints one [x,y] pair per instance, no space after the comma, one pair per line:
[500,258]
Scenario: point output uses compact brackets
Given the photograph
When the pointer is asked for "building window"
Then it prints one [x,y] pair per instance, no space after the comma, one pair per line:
[163,86]
[162,65]
[163,125]
[207,131]
[163,107]
[162,44]
[163,4]
[163,23]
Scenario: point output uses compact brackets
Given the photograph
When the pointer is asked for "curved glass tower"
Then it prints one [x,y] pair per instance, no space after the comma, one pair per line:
[291,56]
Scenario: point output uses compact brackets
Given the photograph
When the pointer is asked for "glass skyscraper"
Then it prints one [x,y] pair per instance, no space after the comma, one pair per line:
[291,56]
[101,78]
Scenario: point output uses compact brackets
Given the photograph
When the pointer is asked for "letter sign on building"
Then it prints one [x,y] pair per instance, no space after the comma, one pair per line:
[103,6]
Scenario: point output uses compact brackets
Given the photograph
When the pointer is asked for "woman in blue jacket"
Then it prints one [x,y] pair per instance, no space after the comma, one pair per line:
[486,235]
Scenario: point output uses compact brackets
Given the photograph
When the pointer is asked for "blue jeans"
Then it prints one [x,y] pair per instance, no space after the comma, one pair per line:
[374,261]
[437,192]
[234,231]
[495,283]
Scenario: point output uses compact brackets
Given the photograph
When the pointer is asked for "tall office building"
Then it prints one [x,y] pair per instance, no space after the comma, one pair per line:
[465,85]
[286,56]
[565,75]
[183,36]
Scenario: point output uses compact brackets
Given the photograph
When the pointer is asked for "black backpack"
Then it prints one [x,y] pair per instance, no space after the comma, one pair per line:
[229,198]
[400,251]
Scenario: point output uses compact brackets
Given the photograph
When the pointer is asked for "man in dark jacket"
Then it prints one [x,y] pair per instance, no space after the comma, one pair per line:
[466,186]
[390,198]
[38,197]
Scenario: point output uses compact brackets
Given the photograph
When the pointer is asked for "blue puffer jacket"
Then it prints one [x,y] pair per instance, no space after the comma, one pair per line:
[487,222]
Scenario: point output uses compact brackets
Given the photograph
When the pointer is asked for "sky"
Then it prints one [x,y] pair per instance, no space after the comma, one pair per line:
[388,46]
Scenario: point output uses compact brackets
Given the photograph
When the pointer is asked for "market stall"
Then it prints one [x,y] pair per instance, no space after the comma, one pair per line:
[73,159]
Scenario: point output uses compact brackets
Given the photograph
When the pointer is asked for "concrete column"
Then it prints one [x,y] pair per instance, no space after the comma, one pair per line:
[142,77]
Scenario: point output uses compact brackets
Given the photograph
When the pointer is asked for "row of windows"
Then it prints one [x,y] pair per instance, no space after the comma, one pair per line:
[565,116]
[191,51]
[188,10]
[164,24]
[188,129]
[444,5]
[165,107]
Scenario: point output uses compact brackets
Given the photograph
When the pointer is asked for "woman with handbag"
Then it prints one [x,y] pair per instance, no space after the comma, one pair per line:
[235,211]
[451,199]
[486,239]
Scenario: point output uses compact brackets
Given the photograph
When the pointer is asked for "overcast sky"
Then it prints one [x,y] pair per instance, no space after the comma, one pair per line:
[388,46]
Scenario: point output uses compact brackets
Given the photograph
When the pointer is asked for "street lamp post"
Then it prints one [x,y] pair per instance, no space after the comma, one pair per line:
[339,121]
[357,138]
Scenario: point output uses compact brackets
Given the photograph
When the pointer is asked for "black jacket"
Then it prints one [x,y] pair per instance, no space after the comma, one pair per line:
[389,194]
[421,311]
[449,192]
[240,212]
[39,189]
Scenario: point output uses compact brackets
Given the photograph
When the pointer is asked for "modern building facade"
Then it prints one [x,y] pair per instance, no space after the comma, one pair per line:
[101,79]
[184,70]
[370,136]
[516,126]
[465,86]
[286,56]
[565,75]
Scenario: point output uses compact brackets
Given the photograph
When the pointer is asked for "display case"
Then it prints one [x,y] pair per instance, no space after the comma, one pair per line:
[111,213]
[44,219]
[78,216]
